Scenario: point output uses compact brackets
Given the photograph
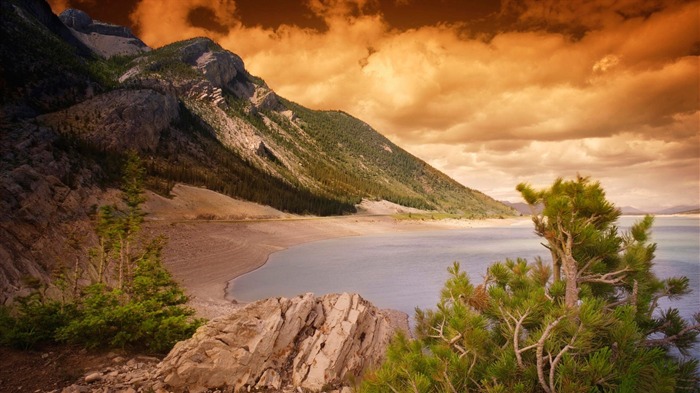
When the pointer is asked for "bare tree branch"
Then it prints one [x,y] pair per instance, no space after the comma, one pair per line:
[670,339]
[540,353]
[516,337]
[612,278]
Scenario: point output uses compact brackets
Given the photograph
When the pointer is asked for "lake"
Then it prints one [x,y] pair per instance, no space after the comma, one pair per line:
[407,270]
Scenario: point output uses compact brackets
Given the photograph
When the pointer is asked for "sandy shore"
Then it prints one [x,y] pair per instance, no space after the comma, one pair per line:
[204,255]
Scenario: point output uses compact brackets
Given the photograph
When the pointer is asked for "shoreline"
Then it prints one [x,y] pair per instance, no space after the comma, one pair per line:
[205,256]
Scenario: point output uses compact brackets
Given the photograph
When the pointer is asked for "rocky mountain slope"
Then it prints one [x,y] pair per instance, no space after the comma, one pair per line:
[76,94]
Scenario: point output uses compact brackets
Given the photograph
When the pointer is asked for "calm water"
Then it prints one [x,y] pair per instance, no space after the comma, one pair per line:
[407,270]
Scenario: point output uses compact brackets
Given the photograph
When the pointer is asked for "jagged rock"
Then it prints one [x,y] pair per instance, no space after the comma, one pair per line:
[118,120]
[76,19]
[104,39]
[264,98]
[218,67]
[305,342]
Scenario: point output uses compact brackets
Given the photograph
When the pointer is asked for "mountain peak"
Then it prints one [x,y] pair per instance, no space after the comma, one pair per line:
[104,39]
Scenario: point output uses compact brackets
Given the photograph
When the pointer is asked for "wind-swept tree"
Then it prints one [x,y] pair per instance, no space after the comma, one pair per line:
[595,327]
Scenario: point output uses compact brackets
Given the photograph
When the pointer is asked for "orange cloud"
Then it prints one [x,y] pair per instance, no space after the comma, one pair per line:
[163,22]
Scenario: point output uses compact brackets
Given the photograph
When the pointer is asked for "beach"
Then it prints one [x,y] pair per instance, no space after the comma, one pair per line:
[238,237]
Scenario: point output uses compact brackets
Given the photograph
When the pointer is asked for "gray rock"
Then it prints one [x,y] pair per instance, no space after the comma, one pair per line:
[118,120]
[306,342]
[102,38]
[218,67]
[76,19]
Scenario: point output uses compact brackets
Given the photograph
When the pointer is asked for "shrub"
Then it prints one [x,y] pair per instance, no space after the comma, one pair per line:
[145,308]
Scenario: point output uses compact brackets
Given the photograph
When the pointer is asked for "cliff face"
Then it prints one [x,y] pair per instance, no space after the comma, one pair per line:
[118,120]
[47,195]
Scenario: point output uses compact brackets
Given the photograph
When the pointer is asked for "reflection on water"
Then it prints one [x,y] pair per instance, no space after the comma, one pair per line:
[407,270]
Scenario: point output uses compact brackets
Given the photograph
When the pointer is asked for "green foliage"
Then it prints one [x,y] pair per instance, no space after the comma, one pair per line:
[34,321]
[144,309]
[149,314]
[515,331]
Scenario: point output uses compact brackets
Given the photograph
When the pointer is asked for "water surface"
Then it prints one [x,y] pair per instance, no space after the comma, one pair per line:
[407,270]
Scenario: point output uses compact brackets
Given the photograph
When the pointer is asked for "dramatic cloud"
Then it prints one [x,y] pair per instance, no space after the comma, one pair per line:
[606,88]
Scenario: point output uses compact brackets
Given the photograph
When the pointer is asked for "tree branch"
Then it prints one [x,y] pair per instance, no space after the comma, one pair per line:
[553,364]
[607,278]
[540,353]
[516,337]
[670,339]
[589,263]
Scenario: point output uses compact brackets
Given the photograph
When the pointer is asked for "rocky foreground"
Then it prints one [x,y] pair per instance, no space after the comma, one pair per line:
[277,344]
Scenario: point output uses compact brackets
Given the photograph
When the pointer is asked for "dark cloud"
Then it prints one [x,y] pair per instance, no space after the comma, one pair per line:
[410,14]
[271,14]
[205,18]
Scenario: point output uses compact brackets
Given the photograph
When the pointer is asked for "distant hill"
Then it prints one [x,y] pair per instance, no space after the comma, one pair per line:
[77,94]
[522,207]
[632,210]
[681,209]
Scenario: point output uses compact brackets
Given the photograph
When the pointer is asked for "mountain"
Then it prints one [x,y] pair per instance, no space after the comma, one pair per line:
[78,94]
[631,210]
[522,207]
[682,209]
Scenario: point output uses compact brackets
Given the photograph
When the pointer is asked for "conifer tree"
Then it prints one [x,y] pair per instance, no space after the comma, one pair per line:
[594,328]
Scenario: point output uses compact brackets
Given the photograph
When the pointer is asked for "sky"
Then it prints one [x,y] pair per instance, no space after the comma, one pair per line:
[493,93]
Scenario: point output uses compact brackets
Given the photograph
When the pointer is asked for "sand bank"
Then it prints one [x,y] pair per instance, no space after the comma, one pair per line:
[205,255]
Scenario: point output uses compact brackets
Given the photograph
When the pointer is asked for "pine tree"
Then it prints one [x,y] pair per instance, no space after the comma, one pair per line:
[592,328]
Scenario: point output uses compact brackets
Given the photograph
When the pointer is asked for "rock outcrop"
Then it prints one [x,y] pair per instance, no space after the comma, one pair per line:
[102,38]
[46,197]
[279,343]
[118,120]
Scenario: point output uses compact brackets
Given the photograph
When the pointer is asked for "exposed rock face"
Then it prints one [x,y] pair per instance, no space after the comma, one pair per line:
[119,120]
[46,196]
[218,67]
[305,342]
[104,39]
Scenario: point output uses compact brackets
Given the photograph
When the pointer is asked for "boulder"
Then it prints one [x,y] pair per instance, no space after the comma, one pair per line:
[303,342]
